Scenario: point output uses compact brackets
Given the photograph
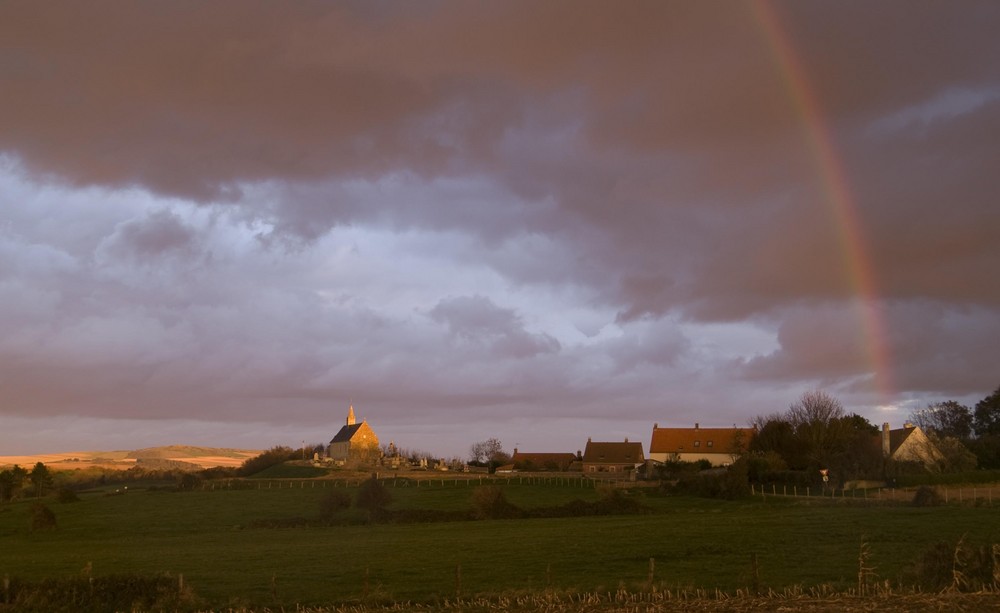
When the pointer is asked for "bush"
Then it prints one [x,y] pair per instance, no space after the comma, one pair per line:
[373,497]
[963,567]
[927,496]
[279,523]
[109,593]
[616,501]
[42,518]
[66,495]
[489,502]
[333,503]
[271,457]
[729,483]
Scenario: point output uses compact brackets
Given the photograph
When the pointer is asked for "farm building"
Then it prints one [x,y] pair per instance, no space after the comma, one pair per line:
[354,442]
[612,457]
[908,444]
[720,446]
[542,461]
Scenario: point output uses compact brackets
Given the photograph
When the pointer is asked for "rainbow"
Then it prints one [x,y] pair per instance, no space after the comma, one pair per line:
[838,196]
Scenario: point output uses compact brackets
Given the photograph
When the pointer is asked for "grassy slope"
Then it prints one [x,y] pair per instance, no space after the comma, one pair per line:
[696,543]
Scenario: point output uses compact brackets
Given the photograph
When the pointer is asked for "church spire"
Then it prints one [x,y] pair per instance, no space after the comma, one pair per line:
[350,416]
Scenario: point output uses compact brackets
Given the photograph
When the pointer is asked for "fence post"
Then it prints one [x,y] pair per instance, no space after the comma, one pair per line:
[458,581]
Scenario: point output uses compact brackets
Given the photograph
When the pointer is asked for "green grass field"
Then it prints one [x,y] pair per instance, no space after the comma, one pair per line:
[695,543]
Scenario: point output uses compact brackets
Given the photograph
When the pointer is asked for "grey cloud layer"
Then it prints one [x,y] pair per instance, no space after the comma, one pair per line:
[530,206]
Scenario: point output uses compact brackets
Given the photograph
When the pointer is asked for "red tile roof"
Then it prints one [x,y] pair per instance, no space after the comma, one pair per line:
[698,440]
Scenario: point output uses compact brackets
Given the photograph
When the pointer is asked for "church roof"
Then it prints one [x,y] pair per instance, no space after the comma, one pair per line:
[346,433]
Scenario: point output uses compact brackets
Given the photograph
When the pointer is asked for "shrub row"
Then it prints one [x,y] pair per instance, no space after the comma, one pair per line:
[125,592]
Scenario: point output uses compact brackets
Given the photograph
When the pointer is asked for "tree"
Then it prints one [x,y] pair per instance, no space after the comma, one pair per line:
[271,457]
[815,433]
[987,415]
[986,448]
[775,435]
[41,478]
[11,482]
[947,419]
[854,449]
[817,419]
[488,451]
[952,455]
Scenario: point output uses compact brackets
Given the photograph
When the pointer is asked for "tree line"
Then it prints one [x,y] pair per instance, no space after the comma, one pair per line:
[816,434]
[18,481]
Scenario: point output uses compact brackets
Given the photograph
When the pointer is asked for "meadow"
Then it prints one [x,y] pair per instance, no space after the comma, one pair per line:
[682,543]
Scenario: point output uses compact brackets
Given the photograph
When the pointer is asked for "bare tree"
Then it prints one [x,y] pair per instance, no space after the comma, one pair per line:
[819,422]
[490,450]
[946,419]
[815,407]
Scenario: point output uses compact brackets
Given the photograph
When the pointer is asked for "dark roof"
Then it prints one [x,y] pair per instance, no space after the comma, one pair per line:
[613,453]
[898,437]
[541,460]
[346,433]
[682,440]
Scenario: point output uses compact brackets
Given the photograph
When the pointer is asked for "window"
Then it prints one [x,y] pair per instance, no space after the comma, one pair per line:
[697,443]
[709,443]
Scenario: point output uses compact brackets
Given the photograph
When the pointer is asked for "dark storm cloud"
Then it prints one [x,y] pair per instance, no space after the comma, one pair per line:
[250,208]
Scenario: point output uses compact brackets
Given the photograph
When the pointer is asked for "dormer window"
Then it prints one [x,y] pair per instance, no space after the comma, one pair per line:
[697,443]
[709,443]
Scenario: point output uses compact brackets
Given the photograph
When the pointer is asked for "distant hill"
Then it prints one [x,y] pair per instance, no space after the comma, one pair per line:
[200,457]
[174,452]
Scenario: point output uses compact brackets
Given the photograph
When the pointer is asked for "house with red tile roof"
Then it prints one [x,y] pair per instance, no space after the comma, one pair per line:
[720,446]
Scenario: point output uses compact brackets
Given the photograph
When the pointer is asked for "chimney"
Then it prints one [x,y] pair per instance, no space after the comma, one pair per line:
[908,425]
[886,450]
[655,425]
[515,450]
[696,425]
[626,439]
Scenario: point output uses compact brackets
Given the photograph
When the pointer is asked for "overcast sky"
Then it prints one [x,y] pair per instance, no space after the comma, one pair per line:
[221,223]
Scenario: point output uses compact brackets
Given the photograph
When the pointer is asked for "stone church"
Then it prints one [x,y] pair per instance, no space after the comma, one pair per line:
[354,442]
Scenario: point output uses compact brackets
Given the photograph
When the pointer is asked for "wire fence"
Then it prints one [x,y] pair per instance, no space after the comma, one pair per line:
[402,482]
[959,494]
